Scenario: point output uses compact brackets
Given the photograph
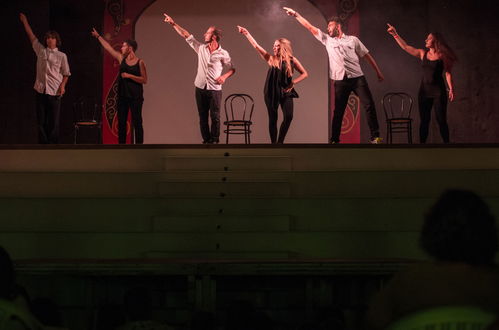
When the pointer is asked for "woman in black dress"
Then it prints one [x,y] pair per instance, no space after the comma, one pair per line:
[437,60]
[279,85]
[130,91]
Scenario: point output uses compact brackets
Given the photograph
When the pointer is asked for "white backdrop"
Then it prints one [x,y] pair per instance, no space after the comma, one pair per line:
[170,113]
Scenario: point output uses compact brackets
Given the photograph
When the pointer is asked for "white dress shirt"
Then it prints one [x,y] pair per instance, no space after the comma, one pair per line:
[51,66]
[210,65]
[344,54]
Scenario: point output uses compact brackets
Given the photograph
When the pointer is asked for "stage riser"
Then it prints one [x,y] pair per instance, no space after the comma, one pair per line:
[217,203]
[247,184]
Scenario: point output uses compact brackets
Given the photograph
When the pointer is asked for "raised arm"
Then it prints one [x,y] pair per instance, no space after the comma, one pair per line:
[306,24]
[180,30]
[375,66]
[27,27]
[142,79]
[401,42]
[113,52]
[263,53]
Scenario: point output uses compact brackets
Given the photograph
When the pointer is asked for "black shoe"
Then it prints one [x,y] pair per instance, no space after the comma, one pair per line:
[215,140]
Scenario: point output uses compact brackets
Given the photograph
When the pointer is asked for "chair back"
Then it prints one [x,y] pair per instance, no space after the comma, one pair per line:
[86,111]
[239,107]
[397,105]
[446,317]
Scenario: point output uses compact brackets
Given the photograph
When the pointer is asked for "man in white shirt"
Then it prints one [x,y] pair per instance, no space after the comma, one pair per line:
[344,52]
[52,73]
[212,60]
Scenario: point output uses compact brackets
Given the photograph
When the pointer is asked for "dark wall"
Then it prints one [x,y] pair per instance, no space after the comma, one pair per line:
[470,28]
[73,20]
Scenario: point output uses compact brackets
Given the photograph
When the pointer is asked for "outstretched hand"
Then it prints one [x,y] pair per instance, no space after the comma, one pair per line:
[168,19]
[23,18]
[95,33]
[242,30]
[290,12]
[391,29]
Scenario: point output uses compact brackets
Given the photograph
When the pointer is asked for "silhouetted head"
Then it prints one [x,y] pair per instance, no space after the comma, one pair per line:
[460,228]
[7,282]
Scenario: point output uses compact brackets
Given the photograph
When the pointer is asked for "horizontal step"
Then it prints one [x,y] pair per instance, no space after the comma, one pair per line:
[231,163]
[222,223]
[225,189]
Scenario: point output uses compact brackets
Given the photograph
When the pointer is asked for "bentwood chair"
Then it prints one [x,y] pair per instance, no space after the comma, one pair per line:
[87,115]
[238,113]
[397,107]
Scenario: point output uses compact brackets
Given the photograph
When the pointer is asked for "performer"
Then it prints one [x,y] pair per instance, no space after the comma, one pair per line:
[52,73]
[132,76]
[279,85]
[344,52]
[439,58]
[212,59]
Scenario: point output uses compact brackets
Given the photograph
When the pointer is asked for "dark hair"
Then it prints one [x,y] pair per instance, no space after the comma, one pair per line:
[132,43]
[460,228]
[337,20]
[55,35]
[217,33]
[6,275]
[444,50]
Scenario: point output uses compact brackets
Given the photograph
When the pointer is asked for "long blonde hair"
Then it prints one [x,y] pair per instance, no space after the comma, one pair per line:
[285,55]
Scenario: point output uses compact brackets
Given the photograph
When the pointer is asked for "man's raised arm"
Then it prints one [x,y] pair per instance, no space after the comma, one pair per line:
[306,24]
[180,30]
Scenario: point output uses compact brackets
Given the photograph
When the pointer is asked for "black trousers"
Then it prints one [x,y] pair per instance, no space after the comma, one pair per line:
[342,90]
[208,102]
[48,109]
[439,103]
[287,111]
[135,106]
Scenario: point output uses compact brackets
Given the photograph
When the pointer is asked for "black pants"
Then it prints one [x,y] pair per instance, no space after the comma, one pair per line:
[208,103]
[48,109]
[439,103]
[287,111]
[135,106]
[342,90]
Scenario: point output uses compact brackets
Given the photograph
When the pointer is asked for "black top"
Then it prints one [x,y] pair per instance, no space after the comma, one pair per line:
[126,86]
[433,81]
[277,80]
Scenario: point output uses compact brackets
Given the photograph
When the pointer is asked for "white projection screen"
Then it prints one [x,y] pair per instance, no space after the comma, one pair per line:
[170,113]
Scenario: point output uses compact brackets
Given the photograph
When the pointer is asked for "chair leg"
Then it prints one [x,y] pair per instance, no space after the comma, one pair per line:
[76,134]
[249,134]
[410,133]
[227,134]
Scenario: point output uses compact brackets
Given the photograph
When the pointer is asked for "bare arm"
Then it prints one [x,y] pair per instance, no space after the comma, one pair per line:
[263,53]
[180,30]
[401,42]
[306,24]
[221,80]
[27,27]
[142,79]
[299,67]
[375,66]
[448,78]
[62,87]
[113,52]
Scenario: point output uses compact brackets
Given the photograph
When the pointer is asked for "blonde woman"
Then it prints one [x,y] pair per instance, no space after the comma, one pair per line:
[279,85]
